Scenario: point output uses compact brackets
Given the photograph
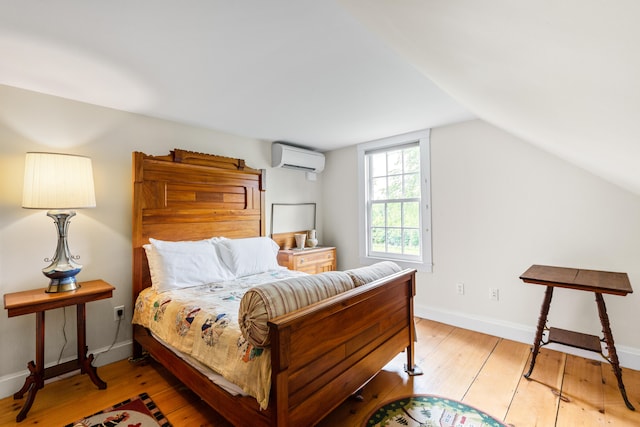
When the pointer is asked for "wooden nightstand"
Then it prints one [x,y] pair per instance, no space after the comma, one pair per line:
[38,301]
[310,260]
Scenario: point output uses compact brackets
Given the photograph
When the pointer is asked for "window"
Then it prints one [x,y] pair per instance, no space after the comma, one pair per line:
[394,193]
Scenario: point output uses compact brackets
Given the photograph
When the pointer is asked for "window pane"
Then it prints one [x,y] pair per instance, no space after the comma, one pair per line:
[411,212]
[394,240]
[412,185]
[378,164]
[412,159]
[379,188]
[394,190]
[394,162]
[378,240]
[412,241]
[378,215]
[394,214]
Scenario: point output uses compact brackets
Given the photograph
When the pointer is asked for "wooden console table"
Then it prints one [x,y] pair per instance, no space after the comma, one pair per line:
[598,282]
[38,301]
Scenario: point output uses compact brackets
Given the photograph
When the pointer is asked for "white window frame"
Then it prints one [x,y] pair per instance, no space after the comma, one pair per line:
[422,137]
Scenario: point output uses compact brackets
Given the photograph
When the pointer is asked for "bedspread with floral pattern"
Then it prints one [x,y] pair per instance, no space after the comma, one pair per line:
[203,322]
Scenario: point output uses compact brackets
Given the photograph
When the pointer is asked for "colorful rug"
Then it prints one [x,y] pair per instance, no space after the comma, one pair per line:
[429,411]
[139,411]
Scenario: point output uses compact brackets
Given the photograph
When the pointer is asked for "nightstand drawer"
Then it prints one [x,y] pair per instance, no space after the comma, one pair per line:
[313,258]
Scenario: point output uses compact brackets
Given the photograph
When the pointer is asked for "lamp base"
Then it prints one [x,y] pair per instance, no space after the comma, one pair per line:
[62,285]
[63,268]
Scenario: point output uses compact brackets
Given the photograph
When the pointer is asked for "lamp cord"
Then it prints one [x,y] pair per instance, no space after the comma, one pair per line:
[115,338]
[64,333]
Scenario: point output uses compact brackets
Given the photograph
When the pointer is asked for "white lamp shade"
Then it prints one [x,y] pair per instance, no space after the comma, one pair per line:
[58,181]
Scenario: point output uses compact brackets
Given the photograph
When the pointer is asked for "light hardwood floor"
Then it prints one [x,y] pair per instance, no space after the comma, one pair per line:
[478,369]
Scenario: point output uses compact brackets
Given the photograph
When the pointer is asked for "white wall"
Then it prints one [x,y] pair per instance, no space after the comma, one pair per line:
[101,236]
[499,205]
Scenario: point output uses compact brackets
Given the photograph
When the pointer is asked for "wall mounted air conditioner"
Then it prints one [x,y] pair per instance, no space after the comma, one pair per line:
[288,156]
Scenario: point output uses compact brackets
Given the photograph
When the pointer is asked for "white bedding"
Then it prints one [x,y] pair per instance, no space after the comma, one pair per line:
[214,377]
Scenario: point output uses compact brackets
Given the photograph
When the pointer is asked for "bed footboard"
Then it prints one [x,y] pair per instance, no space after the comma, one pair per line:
[326,352]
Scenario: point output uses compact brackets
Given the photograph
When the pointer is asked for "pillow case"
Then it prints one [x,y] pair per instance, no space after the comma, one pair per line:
[265,302]
[251,255]
[182,264]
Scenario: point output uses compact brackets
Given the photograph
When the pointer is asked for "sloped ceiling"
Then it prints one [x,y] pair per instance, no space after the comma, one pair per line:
[302,71]
[563,75]
[326,74]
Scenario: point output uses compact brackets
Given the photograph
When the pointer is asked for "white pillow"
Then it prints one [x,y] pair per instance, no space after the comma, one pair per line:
[252,255]
[175,265]
[184,244]
[154,267]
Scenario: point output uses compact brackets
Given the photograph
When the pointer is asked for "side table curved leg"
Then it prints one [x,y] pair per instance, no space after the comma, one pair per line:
[31,388]
[92,371]
[611,348]
[542,321]
[31,379]
[85,361]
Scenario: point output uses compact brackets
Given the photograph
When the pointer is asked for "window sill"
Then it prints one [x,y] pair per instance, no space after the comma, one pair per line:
[419,266]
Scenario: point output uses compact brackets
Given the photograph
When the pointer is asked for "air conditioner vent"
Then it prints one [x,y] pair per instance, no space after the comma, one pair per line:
[291,157]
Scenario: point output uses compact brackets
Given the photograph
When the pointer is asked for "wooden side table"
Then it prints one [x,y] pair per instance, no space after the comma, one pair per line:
[38,301]
[598,282]
[310,260]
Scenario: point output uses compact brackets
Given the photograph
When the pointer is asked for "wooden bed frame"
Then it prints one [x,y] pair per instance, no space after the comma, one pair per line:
[321,354]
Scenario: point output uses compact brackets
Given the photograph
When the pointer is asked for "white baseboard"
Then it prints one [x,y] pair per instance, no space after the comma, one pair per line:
[11,383]
[629,357]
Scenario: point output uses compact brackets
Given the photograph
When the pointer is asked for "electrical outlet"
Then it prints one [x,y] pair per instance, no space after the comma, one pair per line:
[460,288]
[118,313]
[494,294]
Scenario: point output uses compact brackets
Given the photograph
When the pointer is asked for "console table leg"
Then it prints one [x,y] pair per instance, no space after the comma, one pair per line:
[542,321]
[92,371]
[31,388]
[611,348]
[85,360]
[35,380]
[31,379]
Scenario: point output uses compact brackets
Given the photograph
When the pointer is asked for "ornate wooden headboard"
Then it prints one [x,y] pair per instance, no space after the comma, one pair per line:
[189,196]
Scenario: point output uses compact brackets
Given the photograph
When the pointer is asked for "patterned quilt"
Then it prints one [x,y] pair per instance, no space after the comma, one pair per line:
[203,322]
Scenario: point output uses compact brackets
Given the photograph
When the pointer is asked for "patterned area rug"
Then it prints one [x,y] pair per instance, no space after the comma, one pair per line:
[139,411]
[429,411]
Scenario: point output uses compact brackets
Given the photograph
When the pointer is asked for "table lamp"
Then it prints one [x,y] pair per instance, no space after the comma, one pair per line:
[59,182]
